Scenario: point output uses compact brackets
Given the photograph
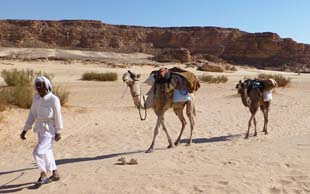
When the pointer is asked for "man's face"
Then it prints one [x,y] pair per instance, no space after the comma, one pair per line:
[40,86]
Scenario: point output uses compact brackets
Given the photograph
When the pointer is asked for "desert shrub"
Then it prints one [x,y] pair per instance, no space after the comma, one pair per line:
[20,90]
[20,96]
[16,77]
[109,76]
[62,94]
[213,79]
[280,79]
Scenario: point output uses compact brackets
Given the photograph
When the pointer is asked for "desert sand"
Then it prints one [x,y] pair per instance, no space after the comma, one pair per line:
[101,125]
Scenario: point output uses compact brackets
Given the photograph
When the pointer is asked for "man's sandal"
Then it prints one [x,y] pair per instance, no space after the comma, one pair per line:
[42,180]
[53,178]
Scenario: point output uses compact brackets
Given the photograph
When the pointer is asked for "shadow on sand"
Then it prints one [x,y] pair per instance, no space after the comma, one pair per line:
[5,188]
[86,159]
[19,170]
[17,187]
[213,139]
[12,188]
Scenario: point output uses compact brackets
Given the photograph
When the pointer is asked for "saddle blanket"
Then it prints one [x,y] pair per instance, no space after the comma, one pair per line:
[180,96]
[267,96]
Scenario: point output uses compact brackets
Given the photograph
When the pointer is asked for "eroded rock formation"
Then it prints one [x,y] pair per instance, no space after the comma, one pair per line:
[259,49]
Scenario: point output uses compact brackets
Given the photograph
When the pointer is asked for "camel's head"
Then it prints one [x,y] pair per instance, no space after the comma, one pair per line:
[130,78]
[241,86]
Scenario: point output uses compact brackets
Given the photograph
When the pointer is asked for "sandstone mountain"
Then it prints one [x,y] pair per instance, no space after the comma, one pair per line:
[262,50]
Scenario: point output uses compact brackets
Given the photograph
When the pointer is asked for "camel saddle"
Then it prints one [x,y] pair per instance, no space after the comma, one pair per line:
[192,82]
[262,85]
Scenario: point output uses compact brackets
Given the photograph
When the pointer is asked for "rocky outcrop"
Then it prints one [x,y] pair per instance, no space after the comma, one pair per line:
[259,49]
[180,55]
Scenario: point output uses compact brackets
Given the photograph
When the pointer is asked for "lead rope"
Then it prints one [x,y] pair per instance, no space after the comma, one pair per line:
[139,108]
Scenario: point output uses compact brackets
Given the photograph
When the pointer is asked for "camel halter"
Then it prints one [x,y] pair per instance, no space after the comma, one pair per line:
[139,107]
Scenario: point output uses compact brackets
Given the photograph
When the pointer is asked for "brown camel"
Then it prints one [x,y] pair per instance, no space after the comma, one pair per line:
[254,99]
[161,101]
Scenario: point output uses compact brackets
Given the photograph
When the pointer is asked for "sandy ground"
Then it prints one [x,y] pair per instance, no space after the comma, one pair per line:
[101,125]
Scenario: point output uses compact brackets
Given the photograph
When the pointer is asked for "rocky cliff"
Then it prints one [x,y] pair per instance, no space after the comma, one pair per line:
[259,49]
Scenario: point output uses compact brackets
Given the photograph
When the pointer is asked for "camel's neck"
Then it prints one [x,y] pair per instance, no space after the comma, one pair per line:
[244,97]
[137,98]
[135,93]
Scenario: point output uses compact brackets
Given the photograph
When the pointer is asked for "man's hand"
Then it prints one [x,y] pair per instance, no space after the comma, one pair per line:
[57,137]
[23,135]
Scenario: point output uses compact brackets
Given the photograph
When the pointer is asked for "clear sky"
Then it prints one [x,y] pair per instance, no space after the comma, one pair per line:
[288,18]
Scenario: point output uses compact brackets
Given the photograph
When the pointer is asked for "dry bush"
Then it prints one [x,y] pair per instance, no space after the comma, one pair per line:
[62,94]
[280,79]
[213,79]
[20,96]
[109,76]
[20,91]
[16,77]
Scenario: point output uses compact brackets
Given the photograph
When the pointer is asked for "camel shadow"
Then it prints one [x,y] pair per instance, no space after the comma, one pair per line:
[5,188]
[87,159]
[13,171]
[31,185]
[213,139]
[17,187]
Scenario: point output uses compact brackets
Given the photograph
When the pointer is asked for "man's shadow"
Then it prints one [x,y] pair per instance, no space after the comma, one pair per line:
[12,188]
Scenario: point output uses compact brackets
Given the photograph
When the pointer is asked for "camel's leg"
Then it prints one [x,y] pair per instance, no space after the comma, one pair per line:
[178,110]
[158,122]
[189,113]
[255,131]
[265,110]
[253,111]
[168,136]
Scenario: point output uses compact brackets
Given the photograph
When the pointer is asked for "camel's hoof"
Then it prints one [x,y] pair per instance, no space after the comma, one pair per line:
[266,133]
[189,144]
[170,146]
[246,136]
[149,151]
[255,134]
[176,143]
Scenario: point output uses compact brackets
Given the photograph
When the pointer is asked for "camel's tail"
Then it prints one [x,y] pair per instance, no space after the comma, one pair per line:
[193,103]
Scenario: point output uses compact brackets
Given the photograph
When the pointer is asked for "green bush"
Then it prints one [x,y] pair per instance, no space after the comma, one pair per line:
[280,79]
[109,76]
[213,79]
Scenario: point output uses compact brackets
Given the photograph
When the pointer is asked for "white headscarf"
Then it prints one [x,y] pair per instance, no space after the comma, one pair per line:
[46,82]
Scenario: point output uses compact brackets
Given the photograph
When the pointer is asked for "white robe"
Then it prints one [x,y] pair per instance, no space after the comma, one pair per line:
[46,113]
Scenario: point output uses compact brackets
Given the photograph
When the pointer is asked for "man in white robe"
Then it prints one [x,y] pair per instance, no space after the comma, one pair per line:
[45,111]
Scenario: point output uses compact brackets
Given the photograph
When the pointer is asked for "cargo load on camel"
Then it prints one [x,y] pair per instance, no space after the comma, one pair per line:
[188,80]
[264,86]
